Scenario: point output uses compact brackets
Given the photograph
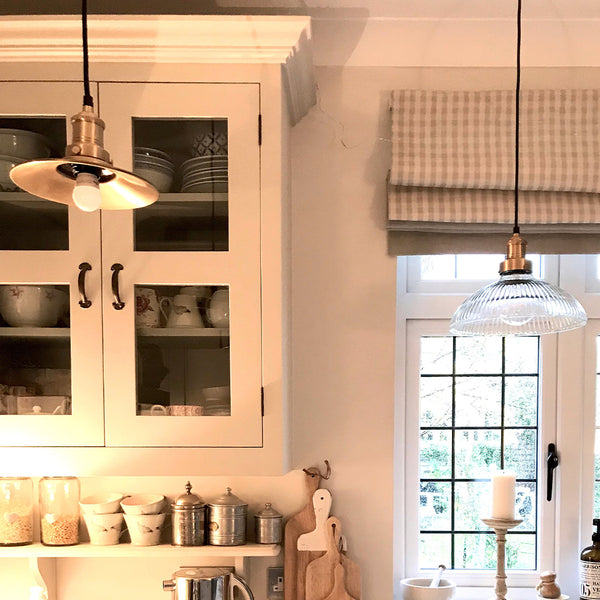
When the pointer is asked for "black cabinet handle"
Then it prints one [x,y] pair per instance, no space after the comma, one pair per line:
[551,463]
[84,302]
[117,304]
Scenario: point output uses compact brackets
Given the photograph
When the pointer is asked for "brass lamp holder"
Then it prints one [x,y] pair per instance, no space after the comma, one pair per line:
[515,261]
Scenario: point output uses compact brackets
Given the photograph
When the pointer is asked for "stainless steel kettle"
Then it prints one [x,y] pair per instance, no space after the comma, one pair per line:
[206,583]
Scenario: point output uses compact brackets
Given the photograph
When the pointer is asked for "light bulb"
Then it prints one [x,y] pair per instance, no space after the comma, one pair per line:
[86,193]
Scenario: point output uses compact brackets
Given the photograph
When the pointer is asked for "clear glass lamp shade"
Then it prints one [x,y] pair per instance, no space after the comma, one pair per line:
[518,304]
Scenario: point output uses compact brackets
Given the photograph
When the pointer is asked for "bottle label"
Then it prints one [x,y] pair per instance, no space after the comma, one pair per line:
[589,576]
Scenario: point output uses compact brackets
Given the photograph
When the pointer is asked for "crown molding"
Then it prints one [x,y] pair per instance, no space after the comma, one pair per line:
[211,39]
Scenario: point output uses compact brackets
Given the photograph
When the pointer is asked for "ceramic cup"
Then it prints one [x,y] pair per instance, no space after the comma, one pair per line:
[181,410]
[101,504]
[104,530]
[145,530]
[147,313]
[182,311]
[143,504]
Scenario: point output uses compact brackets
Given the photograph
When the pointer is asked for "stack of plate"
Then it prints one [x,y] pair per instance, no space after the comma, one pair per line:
[154,166]
[217,401]
[204,174]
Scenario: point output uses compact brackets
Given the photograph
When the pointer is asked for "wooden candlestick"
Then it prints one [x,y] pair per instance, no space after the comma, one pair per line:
[501,526]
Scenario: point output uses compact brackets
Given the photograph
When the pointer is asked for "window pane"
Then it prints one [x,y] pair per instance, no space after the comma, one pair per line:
[478,401]
[436,401]
[521,355]
[520,452]
[438,267]
[471,504]
[435,454]
[478,355]
[475,551]
[435,506]
[520,398]
[434,550]
[477,453]
[526,505]
[478,266]
[436,355]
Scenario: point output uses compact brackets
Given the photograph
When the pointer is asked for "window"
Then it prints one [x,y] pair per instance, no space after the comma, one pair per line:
[469,405]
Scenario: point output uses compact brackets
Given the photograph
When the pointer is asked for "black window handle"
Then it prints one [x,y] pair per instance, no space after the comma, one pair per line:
[551,463]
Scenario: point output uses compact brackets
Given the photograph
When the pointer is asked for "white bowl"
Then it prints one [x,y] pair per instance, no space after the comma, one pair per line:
[19,143]
[31,305]
[104,530]
[145,530]
[6,164]
[417,588]
[142,504]
[101,504]
[152,152]
[160,179]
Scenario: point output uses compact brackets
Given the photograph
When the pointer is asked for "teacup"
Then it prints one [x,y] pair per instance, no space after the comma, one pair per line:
[183,311]
[104,529]
[146,307]
[182,410]
[145,530]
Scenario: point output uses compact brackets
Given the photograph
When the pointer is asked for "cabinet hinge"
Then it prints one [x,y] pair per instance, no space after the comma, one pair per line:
[262,401]
[260,129]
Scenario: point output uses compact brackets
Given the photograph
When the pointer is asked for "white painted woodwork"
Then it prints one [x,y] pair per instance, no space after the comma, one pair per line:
[238,268]
[84,427]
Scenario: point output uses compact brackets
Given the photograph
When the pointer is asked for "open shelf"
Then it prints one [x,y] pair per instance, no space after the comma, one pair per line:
[86,550]
[35,332]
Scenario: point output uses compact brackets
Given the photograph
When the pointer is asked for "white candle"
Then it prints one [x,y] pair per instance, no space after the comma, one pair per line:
[503,494]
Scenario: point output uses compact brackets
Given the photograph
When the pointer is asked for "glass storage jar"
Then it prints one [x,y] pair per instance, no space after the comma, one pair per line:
[16,511]
[59,511]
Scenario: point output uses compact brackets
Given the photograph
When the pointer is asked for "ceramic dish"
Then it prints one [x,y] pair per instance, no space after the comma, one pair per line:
[158,162]
[6,164]
[198,188]
[153,152]
[160,179]
[19,143]
[145,530]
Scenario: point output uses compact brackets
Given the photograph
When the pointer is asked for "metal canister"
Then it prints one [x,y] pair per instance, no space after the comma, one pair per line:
[267,525]
[189,513]
[227,520]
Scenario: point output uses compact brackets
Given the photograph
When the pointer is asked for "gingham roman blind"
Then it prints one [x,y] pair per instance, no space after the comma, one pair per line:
[452,171]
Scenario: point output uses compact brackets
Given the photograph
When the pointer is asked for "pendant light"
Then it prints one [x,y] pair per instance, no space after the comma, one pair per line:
[85,177]
[518,303]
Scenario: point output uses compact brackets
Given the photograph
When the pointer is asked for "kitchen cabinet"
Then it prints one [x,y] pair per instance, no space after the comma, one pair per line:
[119,394]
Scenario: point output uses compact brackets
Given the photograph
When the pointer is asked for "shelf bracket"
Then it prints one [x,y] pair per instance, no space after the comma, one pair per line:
[43,572]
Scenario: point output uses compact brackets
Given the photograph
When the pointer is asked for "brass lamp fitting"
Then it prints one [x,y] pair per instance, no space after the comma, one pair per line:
[515,256]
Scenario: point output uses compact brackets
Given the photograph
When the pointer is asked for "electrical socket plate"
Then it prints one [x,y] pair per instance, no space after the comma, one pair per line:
[275,583]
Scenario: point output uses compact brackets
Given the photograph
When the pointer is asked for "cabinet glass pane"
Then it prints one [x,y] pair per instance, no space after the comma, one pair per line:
[30,223]
[35,350]
[182,350]
[187,161]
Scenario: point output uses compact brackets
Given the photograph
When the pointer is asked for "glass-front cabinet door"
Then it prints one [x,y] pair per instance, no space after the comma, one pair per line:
[50,347]
[182,321]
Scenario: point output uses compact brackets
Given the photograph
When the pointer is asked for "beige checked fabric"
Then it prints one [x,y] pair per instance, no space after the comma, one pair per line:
[453,158]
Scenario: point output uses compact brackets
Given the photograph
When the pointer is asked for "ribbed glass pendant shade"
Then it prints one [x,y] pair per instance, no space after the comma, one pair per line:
[518,304]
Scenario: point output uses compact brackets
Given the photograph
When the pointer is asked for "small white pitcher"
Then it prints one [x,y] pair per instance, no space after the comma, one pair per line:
[183,311]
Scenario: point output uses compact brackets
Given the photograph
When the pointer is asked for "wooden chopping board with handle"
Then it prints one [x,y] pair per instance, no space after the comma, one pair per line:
[339,591]
[296,561]
[320,573]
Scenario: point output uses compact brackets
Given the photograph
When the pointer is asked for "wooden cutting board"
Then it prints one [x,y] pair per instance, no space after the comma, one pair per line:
[296,561]
[339,591]
[320,573]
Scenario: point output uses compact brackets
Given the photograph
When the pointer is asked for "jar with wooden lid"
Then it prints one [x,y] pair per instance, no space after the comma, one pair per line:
[59,511]
[16,511]
[188,519]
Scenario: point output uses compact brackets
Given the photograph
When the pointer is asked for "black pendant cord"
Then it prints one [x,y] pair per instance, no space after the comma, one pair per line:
[87,97]
[517,111]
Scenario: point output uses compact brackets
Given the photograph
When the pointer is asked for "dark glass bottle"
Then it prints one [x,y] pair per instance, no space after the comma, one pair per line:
[589,567]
